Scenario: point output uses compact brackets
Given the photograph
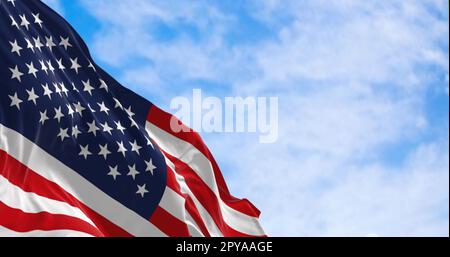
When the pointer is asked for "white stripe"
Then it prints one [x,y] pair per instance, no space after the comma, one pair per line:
[175,204]
[198,162]
[4,232]
[16,198]
[50,168]
[194,229]
[213,230]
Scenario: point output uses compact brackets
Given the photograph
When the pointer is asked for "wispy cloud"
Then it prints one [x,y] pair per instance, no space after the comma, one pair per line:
[169,37]
[359,151]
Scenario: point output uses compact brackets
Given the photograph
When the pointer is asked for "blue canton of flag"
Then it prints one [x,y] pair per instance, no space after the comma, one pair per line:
[54,94]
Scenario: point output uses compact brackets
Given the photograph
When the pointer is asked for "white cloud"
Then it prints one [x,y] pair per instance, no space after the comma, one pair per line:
[357,41]
[206,57]
[352,80]
[318,194]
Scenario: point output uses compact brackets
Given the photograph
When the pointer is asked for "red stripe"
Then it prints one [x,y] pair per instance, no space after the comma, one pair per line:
[172,181]
[169,224]
[29,181]
[163,120]
[19,221]
[205,196]
[189,205]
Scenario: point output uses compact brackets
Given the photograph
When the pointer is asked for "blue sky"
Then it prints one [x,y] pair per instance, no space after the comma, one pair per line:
[364,100]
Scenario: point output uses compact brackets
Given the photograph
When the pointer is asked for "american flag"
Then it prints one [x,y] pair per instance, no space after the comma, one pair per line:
[81,155]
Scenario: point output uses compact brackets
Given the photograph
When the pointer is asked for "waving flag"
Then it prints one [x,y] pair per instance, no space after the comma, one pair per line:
[80,155]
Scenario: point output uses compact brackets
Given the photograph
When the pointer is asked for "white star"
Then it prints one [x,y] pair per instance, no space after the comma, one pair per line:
[132,171]
[60,64]
[133,123]
[70,112]
[37,43]
[93,128]
[103,85]
[65,42]
[106,128]
[58,114]
[150,166]
[120,127]
[118,104]
[121,148]
[142,190]
[57,89]
[32,69]
[43,67]
[13,22]
[91,109]
[15,101]
[135,147]
[13,2]
[103,108]
[49,42]
[74,87]
[37,20]
[79,109]
[87,86]
[50,66]
[104,151]
[32,96]
[16,74]
[84,151]
[64,89]
[15,47]
[29,44]
[91,66]
[113,172]
[24,22]
[129,112]
[75,131]
[75,66]
[44,117]
[63,134]
[47,91]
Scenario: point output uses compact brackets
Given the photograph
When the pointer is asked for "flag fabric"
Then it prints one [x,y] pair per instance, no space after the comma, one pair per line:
[80,155]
